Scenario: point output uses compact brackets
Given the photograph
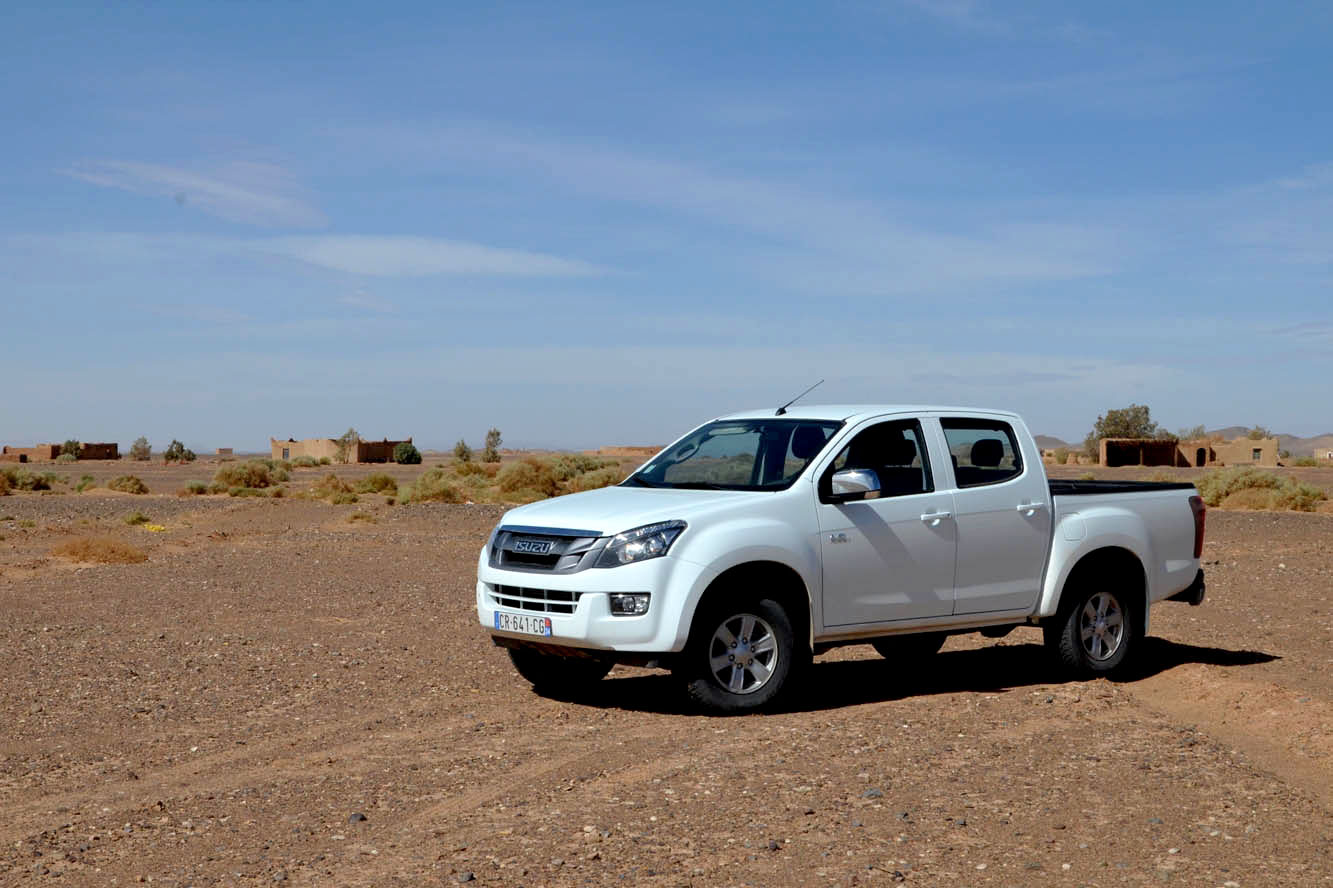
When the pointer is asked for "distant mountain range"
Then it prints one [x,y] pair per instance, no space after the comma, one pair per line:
[1297,446]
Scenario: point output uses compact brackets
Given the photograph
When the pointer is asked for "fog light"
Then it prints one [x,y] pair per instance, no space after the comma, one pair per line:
[629,604]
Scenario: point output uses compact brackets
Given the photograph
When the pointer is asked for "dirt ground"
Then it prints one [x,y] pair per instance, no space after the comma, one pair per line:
[282,696]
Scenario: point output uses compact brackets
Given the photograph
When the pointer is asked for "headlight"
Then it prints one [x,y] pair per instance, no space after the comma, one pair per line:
[640,544]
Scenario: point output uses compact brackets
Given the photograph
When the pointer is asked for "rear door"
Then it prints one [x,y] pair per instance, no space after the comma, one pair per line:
[891,557]
[1002,508]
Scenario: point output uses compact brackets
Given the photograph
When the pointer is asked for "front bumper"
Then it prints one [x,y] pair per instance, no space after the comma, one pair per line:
[675,587]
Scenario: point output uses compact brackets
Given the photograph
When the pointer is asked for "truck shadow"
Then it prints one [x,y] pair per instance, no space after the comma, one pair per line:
[840,683]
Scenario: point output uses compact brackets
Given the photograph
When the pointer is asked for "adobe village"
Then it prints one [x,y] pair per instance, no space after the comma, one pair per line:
[265,668]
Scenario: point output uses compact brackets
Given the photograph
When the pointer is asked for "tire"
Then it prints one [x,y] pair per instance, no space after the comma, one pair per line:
[1094,632]
[907,648]
[551,672]
[741,656]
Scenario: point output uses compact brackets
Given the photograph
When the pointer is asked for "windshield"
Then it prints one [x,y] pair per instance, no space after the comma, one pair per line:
[738,454]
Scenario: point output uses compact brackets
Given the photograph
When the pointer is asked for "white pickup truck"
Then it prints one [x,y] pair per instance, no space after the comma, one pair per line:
[758,541]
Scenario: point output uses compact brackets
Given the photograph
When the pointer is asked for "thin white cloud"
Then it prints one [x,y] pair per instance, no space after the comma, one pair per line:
[253,193]
[398,256]
[960,13]
[371,255]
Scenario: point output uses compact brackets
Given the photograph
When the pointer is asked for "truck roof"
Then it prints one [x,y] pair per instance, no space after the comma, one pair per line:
[846,412]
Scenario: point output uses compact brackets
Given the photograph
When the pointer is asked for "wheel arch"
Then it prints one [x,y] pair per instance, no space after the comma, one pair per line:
[1121,566]
[780,582]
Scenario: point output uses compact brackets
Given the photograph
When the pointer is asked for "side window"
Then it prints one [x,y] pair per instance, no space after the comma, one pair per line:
[895,451]
[984,451]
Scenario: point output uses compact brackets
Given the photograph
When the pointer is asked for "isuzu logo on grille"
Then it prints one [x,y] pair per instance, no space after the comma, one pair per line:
[532,547]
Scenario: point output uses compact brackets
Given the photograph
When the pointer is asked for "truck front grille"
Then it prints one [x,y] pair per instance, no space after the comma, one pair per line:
[549,601]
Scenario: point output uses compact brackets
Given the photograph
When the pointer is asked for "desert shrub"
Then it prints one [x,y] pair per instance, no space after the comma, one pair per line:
[71,448]
[247,491]
[4,484]
[462,452]
[593,480]
[491,451]
[193,488]
[568,465]
[485,470]
[325,461]
[331,486]
[1061,455]
[361,517]
[127,484]
[252,473]
[1087,476]
[1161,476]
[67,458]
[346,445]
[377,483]
[141,450]
[529,475]
[85,483]
[178,452]
[1307,462]
[27,522]
[434,486]
[100,550]
[1220,488]
[344,499]
[305,462]
[22,479]
[278,465]
[406,453]
[136,518]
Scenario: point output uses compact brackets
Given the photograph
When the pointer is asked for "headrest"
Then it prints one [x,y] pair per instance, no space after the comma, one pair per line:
[807,441]
[987,453]
[901,452]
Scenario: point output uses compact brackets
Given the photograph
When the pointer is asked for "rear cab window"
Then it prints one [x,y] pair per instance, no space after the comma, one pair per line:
[983,451]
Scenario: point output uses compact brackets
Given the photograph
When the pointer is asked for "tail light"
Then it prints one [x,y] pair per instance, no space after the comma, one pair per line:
[1200,511]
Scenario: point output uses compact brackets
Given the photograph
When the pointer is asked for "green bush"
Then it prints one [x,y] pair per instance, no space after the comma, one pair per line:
[325,461]
[1087,476]
[491,452]
[593,480]
[1249,488]
[136,518]
[406,453]
[67,458]
[377,483]
[434,486]
[252,473]
[193,488]
[305,462]
[178,452]
[1307,462]
[141,450]
[71,448]
[569,465]
[85,483]
[333,489]
[462,452]
[127,484]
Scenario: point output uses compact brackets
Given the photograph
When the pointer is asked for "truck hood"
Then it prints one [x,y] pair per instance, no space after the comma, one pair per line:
[610,510]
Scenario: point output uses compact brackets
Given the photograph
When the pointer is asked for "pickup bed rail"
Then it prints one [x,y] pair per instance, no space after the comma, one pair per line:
[1087,488]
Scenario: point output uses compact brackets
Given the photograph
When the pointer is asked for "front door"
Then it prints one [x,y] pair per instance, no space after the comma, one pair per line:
[887,558]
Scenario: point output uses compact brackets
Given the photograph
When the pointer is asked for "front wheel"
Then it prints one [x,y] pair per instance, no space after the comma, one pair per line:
[742,656]
[551,672]
[1094,634]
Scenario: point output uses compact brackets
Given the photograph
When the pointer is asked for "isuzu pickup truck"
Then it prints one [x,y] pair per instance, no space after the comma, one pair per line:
[758,541]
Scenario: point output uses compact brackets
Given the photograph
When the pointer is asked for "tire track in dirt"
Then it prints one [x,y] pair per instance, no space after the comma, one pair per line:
[1243,713]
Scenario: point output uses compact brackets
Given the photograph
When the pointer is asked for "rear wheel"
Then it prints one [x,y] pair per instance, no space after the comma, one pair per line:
[906,648]
[1094,633]
[551,672]
[741,657]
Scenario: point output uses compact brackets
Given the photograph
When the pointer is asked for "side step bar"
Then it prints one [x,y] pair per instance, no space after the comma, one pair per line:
[1194,594]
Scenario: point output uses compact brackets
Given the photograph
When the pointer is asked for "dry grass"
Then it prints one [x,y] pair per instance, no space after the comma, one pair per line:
[378,482]
[100,550]
[255,473]
[334,490]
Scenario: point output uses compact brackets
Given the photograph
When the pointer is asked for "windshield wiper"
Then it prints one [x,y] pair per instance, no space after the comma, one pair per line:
[637,480]
[697,485]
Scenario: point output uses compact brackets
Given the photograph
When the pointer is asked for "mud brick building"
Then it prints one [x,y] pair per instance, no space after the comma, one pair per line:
[1198,453]
[321,448]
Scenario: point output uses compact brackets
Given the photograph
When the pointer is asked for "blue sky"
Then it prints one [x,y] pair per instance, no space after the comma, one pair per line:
[602,223]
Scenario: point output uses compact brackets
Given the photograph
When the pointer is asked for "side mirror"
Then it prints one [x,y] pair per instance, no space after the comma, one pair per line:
[850,485]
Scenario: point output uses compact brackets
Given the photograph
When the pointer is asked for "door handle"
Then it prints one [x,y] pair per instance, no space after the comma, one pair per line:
[935,517]
[1030,507]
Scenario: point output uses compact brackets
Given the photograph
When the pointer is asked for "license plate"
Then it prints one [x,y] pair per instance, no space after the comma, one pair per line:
[526,624]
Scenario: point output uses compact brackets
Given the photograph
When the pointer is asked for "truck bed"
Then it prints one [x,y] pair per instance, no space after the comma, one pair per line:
[1087,488]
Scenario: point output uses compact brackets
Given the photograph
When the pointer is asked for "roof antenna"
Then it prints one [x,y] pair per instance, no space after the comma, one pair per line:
[783,408]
